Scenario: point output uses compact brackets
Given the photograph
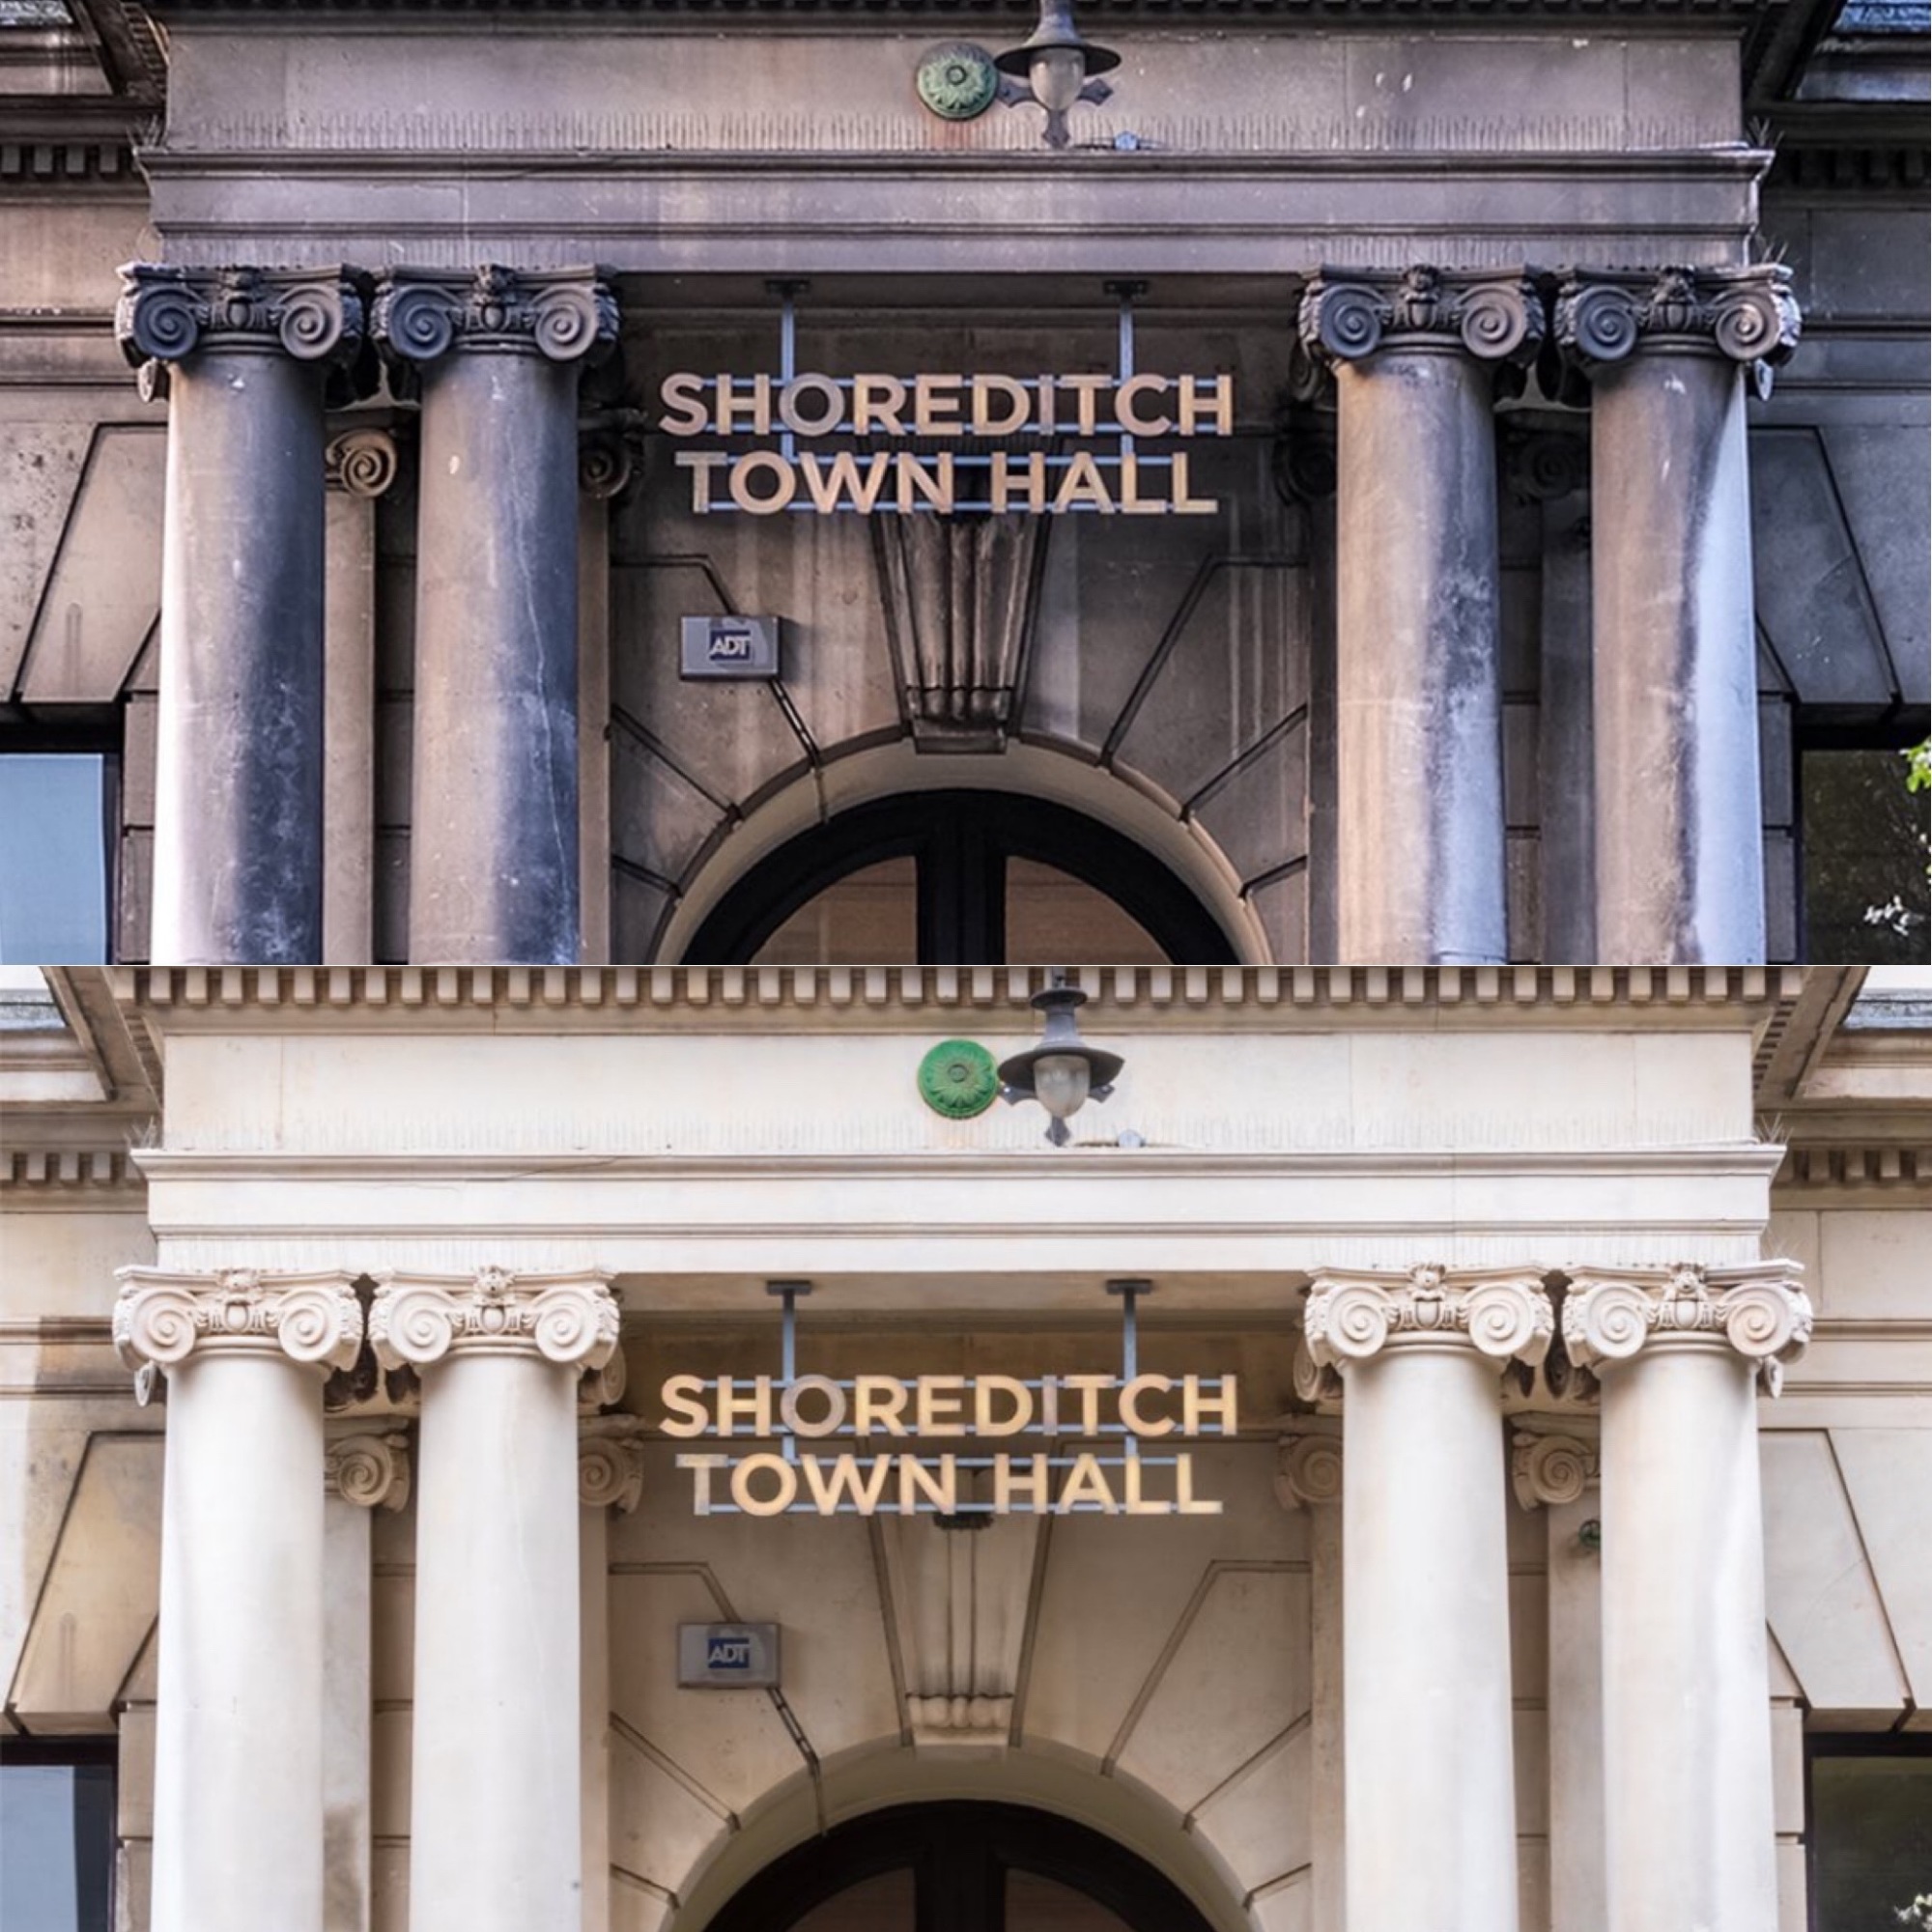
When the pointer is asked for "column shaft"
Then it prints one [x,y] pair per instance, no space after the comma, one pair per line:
[1686,1718]
[495,1842]
[1680,861]
[493,843]
[238,1743]
[1418,671]
[347,1713]
[1427,1665]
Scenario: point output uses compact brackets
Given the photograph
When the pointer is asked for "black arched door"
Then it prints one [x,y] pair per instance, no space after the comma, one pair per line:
[956,857]
[959,1868]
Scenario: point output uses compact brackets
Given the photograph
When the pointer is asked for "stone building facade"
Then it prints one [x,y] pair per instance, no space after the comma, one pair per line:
[1423,605]
[1547,1353]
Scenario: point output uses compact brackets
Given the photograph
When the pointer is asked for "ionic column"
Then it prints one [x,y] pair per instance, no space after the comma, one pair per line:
[239,1717]
[1556,1472]
[1426,1587]
[1418,671]
[494,1826]
[609,1477]
[1308,1476]
[365,1467]
[492,844]
[1680,861]
[237,778]
[1688,1830]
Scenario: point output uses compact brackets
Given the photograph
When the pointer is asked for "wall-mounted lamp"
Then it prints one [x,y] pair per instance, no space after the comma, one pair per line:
[1062,1072]
[1059,67]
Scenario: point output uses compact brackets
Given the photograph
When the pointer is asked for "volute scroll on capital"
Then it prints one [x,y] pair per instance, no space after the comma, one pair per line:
[1349,314]
[1353,1316]
[1548,1468]
[1750,315]
[162,1316]
[1610,1314]
[569,1319]
[368,1467]
[610,1463]
[565,315]
[1308,1469]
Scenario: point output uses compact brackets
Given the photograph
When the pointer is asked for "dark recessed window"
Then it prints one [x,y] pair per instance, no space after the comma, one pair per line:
[57,1828]
[1871,1831]
[1863,856]
[56,809]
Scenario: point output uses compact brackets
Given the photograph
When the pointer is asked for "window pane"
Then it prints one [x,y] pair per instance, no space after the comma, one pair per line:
[1036,1903]
[869,918]
[1871,1839]
[53,859]
[57,1825]
[882,1904]
[1053,918]
[1863,848]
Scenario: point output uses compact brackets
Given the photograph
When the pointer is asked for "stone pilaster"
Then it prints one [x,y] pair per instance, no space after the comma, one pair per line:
[238,1828]
[609,1480]
[1426,1693]
[1555,1467]
[1681,1351]
[365,1467]
[1308,1477]
[1416,356]
[359,467]
[1679,842]
[239,760]
[495,1832]
[493,841]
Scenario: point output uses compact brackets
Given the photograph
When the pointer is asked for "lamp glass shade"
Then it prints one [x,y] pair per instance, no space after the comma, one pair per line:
[1061,1082]
[1057,74]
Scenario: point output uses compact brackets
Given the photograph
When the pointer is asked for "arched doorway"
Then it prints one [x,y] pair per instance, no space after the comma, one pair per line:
[959,1868]
[960,879]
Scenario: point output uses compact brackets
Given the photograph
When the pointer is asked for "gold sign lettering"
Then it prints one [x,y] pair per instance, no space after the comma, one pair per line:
[1092,1460]
[1053,410]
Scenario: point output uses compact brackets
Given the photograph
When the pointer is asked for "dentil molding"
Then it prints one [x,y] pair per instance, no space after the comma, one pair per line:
[1611,1314]
[162,1316]
[1351,1317]
[569,1320]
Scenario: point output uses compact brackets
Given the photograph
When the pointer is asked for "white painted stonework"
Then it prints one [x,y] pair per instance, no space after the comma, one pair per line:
[1515,1546]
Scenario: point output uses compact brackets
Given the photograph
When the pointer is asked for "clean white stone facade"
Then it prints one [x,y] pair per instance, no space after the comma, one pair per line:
[1497,1258]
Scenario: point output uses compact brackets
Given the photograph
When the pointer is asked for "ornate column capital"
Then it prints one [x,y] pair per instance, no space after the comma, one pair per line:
[1349,314]
[166,314]
[569,1320]
[1611,1313]
[1549,1468]
[369,1468]
[1606,315]
[1308,1468]
[360,462]
[162,1316]
[565,314]
[610,1463]
[1354,1315]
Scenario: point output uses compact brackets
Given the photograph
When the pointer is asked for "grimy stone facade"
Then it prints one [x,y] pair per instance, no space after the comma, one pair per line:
[1500,642]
